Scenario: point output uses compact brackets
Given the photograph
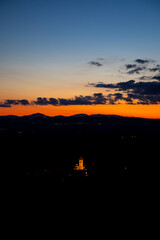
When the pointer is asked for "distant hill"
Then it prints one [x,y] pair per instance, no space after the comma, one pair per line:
[103,115]
[79,115]
[59,116]
[9,116]
[40,115]
[36,115]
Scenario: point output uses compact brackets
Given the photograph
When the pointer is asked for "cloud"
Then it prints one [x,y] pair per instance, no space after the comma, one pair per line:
[146,91]
[81,100]
[145,78]
[140,65]
[116,97]
[7,103]
[4,105]
[94,63]
[16,102]
[41,101]
[132,85]
[157,77]
[45,101]
[142,92]
[53,101]
[128,66]
[143,61]
[96,98]
[136,70]
[155,69]
[121,86]
[99,98]
[130,92]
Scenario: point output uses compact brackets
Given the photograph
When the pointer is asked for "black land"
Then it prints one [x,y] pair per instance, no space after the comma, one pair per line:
[113,147]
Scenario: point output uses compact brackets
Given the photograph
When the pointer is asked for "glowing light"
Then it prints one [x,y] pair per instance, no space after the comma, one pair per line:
[80,165]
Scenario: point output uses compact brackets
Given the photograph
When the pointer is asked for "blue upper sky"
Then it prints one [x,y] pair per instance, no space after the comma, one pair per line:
[64,34]
[64,28]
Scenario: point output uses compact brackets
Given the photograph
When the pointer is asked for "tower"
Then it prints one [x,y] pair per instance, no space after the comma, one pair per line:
[81,164]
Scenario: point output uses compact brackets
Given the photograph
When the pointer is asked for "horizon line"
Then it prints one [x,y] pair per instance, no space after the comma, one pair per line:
[78,115]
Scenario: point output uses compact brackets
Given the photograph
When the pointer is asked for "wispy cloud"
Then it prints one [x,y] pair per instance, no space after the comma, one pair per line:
[136,70]
[95,63]
[140,65]
[155,77]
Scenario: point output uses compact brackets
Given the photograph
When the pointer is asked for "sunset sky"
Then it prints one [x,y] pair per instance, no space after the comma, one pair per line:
[64,57]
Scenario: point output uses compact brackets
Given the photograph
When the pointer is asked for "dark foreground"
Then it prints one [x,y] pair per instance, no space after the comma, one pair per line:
[117,151]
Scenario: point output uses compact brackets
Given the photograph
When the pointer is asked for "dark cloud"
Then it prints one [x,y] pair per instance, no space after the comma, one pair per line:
[143,92]
[4,105]
[114,98]
[64,101]
[143,61]
[157,77]
[41,101]
[101,85]
[99,98]
[11,102]
[16,102]
[136,70]
[145,78]
[141,65]
[132,85]
[129,66]
[23,102]
[53,101]
[118,96]
[96,98]
[45,101]
[155,69]
[98,64]
[81,100]
[120,86]
[146,88]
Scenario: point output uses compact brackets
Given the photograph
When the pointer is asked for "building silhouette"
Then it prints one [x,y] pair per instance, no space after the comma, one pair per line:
[79,166]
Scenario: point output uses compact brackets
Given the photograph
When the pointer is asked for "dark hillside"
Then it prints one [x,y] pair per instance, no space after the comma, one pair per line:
[112,147]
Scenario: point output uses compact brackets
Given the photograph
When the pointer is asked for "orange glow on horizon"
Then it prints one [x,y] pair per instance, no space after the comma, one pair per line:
[143,111]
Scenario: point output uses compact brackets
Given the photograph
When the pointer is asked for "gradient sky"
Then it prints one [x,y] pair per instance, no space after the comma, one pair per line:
[63,48]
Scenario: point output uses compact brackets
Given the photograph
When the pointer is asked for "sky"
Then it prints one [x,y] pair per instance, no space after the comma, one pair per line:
[63,57]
